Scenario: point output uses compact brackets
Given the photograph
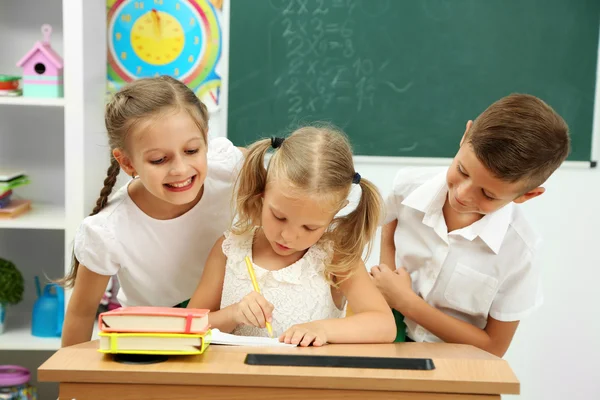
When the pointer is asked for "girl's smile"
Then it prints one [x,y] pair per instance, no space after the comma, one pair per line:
[181,186]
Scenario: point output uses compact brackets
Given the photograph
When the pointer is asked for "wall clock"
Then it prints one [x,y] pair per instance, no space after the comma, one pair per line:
[181,38]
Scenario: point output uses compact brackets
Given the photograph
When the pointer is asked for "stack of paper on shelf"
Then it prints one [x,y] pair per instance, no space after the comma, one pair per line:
[154,330]
[11,207]
[9,85]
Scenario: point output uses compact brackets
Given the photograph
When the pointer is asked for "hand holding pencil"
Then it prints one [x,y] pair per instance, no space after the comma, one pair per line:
[254,309]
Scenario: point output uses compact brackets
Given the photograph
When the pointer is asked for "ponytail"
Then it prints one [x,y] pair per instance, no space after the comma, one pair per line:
[354,231]
[250,185]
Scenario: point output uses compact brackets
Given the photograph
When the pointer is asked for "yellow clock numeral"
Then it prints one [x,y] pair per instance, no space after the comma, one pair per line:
[176,71]
[139,4]
[118,36]
[126,17]
[196,40]
[192,21]
[139,70]
[123,55]
[160,2]
[191,58]
[177,6]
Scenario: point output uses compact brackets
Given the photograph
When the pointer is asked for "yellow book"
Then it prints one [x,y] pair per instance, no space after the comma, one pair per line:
[153,343]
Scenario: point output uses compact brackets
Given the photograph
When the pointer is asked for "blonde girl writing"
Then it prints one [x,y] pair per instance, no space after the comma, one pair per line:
[307,258]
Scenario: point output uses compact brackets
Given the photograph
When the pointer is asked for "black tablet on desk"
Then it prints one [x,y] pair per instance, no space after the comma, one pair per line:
[298,360]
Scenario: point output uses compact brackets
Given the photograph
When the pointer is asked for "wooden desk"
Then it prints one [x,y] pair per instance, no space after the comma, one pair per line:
[462,373]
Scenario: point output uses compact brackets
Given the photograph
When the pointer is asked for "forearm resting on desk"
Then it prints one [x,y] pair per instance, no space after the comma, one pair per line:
[495,338]
[365,327]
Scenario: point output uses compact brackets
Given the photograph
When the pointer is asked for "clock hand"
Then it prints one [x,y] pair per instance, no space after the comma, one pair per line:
[156,20]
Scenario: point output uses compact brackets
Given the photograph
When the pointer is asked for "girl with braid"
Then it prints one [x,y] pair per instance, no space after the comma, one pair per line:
[305,242]
[156,231]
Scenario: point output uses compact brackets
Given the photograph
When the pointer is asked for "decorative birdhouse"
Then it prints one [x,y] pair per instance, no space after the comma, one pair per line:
[42,69]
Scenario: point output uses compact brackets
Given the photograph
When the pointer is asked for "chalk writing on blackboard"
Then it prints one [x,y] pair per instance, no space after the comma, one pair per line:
[322,65]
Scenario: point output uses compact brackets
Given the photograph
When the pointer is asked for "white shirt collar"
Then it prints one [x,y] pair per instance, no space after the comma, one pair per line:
[429,198]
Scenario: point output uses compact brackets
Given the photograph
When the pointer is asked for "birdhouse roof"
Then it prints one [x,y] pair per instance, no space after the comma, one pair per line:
[46,50]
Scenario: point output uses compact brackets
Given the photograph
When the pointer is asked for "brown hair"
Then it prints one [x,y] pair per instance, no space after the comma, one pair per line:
[138,102]
[318,161]
[520,137]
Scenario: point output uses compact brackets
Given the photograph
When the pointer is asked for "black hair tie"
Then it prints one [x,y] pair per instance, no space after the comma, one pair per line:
[356,178]
[276,142]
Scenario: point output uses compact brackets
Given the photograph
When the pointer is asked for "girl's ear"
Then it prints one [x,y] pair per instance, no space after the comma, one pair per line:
[124,161]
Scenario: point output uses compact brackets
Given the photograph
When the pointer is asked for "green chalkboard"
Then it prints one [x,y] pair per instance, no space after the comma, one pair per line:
[402,77]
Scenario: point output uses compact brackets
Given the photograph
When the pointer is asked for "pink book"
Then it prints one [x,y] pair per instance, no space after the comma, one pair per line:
[154,319]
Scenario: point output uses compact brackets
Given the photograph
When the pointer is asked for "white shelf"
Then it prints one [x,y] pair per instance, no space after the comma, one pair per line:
[17,335]
[31,101]
[41,216]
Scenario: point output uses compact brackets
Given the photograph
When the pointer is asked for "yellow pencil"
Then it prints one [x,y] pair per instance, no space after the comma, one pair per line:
[257,289]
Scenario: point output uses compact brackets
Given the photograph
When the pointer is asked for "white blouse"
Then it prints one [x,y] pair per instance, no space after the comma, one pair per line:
[299,293]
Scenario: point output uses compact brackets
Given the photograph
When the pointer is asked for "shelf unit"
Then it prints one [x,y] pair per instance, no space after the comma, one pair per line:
[77,121]
[78,35]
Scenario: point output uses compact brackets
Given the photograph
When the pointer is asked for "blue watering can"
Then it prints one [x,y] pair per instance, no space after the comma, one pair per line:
[48,311]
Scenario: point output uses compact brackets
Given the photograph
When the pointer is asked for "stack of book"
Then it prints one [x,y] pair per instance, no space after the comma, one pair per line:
[154,330]
[9,206]
[9,85]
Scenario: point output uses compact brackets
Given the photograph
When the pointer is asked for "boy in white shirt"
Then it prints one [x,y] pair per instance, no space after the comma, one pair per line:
[460,252]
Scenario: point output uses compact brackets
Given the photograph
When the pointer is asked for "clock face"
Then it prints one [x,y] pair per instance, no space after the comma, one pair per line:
[181,38]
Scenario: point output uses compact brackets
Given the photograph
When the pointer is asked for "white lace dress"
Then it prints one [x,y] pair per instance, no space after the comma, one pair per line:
[299,293]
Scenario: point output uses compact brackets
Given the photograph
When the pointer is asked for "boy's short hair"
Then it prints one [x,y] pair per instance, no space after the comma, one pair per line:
[520,138]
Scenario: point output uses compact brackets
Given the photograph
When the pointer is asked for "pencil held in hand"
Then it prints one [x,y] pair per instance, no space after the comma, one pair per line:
[257,290]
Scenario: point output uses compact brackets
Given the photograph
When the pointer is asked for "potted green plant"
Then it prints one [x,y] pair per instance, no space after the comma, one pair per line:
[11,288]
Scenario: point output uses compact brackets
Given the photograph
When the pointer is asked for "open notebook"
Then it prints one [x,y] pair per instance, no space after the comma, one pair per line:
[219,337]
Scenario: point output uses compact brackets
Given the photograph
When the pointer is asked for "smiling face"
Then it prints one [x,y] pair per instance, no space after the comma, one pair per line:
[473,189]
[168,153]
[292,220]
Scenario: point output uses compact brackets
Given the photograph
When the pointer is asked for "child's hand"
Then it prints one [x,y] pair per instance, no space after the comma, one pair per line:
[395,286]
[305,335]
[253,310]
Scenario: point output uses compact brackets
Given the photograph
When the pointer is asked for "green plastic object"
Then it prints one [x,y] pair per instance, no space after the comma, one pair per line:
[400,326]
[8,78]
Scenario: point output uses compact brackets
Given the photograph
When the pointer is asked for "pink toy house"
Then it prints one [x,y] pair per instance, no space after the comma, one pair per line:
[42,69]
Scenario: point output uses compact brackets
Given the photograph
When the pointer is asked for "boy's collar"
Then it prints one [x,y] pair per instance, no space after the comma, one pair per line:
[429,198]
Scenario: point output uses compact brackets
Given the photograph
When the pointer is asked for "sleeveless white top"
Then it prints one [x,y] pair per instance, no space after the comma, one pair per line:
[299,292]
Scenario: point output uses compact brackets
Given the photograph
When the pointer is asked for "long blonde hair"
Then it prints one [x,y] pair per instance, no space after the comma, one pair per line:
[137,102]
[318,161]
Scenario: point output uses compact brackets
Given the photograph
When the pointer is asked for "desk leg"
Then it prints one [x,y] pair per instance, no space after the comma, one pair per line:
[100,391]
